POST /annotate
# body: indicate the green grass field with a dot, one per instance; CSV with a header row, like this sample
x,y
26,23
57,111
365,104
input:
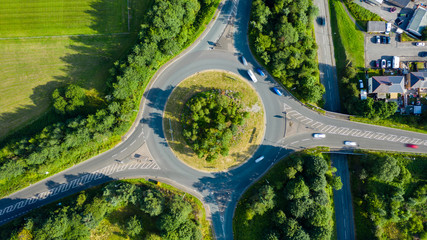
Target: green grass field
x,y
31,68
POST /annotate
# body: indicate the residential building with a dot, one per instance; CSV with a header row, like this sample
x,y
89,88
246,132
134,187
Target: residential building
x,y
399,3
418,21
417,81
380,86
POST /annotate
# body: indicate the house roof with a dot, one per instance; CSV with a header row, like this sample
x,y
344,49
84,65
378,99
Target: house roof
x,y
387,84
418,79
418,21
399,3
376,26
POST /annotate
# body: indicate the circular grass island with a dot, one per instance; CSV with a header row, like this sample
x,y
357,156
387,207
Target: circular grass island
x,y
214,120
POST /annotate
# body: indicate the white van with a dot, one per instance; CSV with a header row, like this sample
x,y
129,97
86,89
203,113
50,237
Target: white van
x,y
387,28
252,75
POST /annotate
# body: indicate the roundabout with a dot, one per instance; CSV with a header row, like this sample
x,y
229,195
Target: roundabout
x,y
246,138
146,152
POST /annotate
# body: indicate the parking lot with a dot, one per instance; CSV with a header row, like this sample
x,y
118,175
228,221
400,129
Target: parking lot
x,y
407,51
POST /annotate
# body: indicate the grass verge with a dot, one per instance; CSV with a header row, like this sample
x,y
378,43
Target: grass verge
x,y
396,121
361,14
250,137
348,40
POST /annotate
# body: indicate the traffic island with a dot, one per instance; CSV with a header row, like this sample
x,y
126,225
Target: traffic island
x,y
238,136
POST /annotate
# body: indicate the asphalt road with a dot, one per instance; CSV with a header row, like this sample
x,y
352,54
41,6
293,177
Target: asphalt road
x,y
342,200
145,153
326,57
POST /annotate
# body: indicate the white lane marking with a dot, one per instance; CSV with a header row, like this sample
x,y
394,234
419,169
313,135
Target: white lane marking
x,y
132,143
123,150
294,142
114,155
306,139
140,134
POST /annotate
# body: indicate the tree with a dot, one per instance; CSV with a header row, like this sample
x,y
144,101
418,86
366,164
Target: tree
x,y
424,34
69,100
264,201
315,165
319,215
386,168
336,183
133,227
296,188
152,203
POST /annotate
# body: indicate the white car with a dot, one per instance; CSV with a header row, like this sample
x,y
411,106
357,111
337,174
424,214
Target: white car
x,y
244,61
350,143
420,44
252,76
319,135
259,159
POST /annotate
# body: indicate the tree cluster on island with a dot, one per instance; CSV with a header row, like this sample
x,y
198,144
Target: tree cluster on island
x,y
211,121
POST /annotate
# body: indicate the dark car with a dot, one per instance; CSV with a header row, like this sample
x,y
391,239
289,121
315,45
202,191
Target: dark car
x,y
377,63
422,54
377,39
321,21
387,40
383,39
393,9
260,72
398,21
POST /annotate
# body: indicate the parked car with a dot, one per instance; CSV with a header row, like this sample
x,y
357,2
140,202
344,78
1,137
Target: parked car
x,y
393,9
422,54
277,91
377,39
388,64
411,145
420,44
260,72
377,63
244,61
252,76
350,143
383,39
387,40
398,21
383,63
360,83
319,135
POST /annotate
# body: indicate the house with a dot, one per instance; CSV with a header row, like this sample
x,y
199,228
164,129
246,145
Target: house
x,y
376,27
418,21
399,3
417,81
383,85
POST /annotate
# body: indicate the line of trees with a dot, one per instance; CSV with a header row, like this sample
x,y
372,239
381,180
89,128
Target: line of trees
x,y
389,194
294,203
169,27
152,213
210,120
282,35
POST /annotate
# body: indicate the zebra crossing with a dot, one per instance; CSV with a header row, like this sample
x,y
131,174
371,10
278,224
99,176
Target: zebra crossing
x,y
344,131
141,163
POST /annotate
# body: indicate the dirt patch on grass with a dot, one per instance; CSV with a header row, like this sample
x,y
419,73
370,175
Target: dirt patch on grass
x,y
249,138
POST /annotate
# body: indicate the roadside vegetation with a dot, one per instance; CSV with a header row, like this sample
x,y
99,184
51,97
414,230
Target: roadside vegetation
x,y
130,209
389,195
281,34
170,27
220,137
292,201
361,14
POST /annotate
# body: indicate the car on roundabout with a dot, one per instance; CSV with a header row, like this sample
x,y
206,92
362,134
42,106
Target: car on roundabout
x,y
319,135
259,159
260,72
277,91
244,61
350,143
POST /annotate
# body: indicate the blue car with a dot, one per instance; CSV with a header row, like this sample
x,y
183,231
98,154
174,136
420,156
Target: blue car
x,y
260,72
277,91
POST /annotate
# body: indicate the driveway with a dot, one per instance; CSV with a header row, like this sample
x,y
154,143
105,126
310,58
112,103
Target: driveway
x,y
407,51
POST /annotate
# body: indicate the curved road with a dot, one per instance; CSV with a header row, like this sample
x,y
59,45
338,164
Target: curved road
x,y
145,152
